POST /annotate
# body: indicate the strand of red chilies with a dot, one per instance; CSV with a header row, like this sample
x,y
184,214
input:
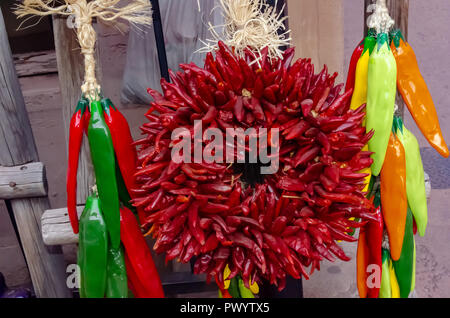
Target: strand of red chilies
x,y
289,222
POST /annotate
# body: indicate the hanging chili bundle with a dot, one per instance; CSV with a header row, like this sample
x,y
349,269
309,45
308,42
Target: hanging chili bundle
x,y
114,159
261,226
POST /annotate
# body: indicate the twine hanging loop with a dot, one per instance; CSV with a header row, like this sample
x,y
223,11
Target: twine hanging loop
x,y
380,20
137,12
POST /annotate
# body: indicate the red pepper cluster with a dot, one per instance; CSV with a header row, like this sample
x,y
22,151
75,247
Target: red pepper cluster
x,y
293,218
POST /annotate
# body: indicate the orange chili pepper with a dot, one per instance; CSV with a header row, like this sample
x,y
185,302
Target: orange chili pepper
x,y
414,91
394,202
362,261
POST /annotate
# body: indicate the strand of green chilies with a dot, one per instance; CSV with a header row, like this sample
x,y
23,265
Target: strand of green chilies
x,y
103,159
381,91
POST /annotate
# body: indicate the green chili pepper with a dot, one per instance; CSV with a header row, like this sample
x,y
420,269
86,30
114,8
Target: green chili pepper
x,y
116,280
404,266
244,291
103,158
415,179
92,250
381,91
385,288
233,289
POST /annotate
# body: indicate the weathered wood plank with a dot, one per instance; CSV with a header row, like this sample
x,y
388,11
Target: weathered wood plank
x,y
17,146
24,181
71,73
56,228
317,32
35,63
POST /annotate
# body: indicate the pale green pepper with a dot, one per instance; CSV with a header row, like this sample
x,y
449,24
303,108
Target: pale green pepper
x,y
415,179
385,288
244,291
381,91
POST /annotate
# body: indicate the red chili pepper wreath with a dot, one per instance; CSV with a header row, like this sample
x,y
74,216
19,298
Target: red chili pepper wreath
x,y
281,224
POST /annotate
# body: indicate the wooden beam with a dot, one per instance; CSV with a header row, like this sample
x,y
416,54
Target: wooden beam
x,y
399,11
56,228
24,181
317,31
17,146
71,73
35,63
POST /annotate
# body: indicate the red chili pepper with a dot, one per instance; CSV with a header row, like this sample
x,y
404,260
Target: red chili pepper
x,y
139,254
352,67
193,222
135,285
76,128
374,240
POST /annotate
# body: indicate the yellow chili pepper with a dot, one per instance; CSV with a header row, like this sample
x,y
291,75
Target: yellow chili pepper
x,y
395,289
360,93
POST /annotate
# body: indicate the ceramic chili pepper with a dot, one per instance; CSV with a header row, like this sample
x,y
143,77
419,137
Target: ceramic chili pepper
x,y
415,179
93,250
359,96
414,91
76,128
405,265
394,202
362,261
116,277
374,238
126,157
233,288
381,90
244,291
385,288
352,66
395,289
139,254
134,283
103,159
360,92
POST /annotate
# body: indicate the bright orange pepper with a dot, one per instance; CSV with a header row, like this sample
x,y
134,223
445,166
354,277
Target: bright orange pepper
x,y
394,202
414,91
362,261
